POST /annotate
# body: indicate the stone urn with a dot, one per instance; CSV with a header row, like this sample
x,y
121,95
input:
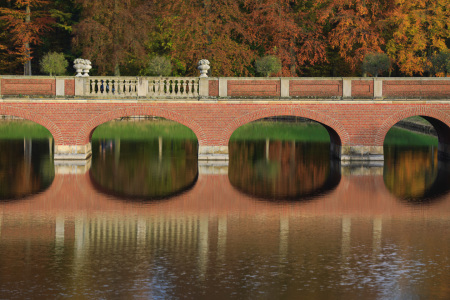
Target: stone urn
x,y
78,65
203,66
86,68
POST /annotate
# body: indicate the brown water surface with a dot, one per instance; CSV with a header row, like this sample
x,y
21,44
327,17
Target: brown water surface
x,y
287,224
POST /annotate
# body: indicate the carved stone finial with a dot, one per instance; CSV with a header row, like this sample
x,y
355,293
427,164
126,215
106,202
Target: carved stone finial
x,y
203,66
78,65
82,66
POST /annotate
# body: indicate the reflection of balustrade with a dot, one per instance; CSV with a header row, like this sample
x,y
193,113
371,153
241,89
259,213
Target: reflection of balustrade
x,y
170,87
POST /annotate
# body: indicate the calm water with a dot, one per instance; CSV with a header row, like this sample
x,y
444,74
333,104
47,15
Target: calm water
x,y
281,221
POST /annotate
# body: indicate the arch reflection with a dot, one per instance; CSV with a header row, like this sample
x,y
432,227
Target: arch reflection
x,y
282,170
153,169
415,174
26,167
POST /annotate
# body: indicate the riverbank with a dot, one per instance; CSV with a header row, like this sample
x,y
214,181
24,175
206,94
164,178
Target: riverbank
x,y
150,129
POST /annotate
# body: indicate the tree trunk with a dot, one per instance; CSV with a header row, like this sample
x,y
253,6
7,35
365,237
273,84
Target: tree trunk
x,y
27,66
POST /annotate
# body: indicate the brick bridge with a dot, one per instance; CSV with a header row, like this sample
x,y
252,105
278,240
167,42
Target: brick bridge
x,y
357,112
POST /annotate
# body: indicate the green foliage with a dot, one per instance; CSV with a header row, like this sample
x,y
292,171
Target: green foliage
x,y
403,137
439,63
54,64
160,66
376,63
268,65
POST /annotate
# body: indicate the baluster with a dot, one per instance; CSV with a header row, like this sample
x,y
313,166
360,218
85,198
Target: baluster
x,y
116,87
195,91
134,87
99,83
90,86
108,87
120,89
160,87
191,88
186,88
127,87
174,92
151,88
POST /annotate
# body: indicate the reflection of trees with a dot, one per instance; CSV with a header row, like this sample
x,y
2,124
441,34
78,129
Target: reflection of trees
x,y
411,173
289,170
139,170
20,175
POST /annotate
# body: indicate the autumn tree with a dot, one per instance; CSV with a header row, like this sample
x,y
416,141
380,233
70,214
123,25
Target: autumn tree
x,y
287,29
418,28
354,27
25,24
113,33
188,31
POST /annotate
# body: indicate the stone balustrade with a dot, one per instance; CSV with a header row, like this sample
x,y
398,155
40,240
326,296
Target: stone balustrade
x,y
142,87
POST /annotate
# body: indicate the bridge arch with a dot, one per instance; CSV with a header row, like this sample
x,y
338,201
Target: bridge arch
x,y
439,120
36,118
338,134
85,133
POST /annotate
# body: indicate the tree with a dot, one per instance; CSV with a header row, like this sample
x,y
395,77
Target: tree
x,y
376,63
160,66
54,63
188,31
113,33
415,29
353,27
25,24
439,63
268,65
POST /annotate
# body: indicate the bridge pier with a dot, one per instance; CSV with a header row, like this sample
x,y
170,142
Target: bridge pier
x,y
213,153
72,152
357,153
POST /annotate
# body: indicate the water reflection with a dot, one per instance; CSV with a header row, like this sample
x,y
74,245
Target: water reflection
x,y
176,255
26,167
147,170
415,174
282,170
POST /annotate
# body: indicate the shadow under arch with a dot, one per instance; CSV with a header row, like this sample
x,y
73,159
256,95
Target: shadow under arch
x,y
85,133
338,134
438,119
292,172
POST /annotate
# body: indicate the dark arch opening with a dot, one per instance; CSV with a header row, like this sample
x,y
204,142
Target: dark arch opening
x,y
283,158
415,167
26,158
143,157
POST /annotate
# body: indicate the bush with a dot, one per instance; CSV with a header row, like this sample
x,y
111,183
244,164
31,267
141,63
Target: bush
x,y
376,63
160,66
54,64
268,65
439,63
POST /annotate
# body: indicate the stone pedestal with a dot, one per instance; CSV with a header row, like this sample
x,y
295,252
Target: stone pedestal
x,y
213,153
73,152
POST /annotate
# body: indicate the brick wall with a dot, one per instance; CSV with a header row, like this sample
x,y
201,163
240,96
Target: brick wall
x,y
43,87
356,123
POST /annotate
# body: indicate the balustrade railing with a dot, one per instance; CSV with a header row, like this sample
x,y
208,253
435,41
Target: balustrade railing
x,y
108,86
173,87
170,87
